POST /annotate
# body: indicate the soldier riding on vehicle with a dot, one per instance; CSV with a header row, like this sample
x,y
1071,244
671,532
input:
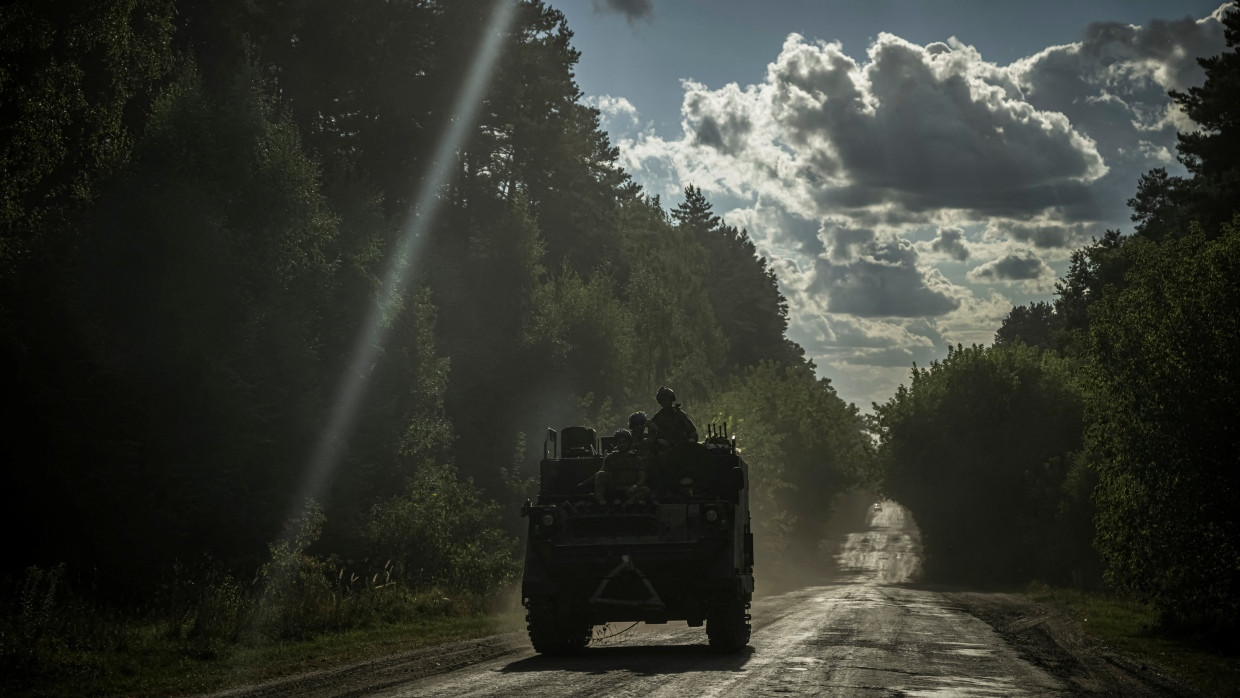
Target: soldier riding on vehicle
x,y
670,425
623,472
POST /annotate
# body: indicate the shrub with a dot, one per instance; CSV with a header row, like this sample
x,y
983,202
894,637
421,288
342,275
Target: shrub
x,y
441,532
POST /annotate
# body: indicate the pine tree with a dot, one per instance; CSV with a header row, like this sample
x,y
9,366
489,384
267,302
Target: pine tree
x,y
1212,153
744,291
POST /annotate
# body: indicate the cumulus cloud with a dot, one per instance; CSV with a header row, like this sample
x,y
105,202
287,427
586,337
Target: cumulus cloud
x,y
1154,152
916,130
885,281
720,119
976,320
1164,51
950,241
633,10
856,176
1043,234
887,356
843,239
908,132
925,130
613,109
1113,83
777,233
1018,266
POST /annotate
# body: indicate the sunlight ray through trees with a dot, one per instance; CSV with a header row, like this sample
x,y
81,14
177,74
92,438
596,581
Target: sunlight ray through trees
x,y
370,339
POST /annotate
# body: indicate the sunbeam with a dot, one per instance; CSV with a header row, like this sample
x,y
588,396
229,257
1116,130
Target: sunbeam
x,y
326,454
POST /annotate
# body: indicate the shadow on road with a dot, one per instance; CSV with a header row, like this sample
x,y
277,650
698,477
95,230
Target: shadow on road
x,y
638,659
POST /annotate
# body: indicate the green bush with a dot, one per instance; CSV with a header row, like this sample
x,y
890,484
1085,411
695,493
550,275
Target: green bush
x,y
442,533
294,594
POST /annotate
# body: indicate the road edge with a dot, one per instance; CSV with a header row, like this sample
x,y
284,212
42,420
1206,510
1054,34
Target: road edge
x,y
1052,638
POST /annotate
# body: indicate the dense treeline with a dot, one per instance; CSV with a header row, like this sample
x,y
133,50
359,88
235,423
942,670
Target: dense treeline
x,y
1108,416
204,208
982,447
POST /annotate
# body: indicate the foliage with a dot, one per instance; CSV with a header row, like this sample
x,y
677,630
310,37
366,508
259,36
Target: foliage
x,y
1212,152
201,631
761,445
1036,324
76,81
744,293
440,532
193,306
293,585
1164,204
981,447
1162,427
1152,316
803,444
205,204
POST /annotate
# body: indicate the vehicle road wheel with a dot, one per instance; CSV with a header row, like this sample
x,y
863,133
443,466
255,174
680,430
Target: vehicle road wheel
x,y
727,626
552,636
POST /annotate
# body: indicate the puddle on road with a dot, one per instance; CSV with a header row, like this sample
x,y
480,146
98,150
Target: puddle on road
x,y
968,649
962,686
802,663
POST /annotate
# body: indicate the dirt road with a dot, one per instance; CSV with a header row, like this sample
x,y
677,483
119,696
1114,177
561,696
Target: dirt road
x,y
872,633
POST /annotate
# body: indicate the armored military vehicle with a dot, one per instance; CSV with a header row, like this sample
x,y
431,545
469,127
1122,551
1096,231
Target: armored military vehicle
x,y
684,552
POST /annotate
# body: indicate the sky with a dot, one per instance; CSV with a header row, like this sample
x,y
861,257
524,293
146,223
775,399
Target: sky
x,y
911,169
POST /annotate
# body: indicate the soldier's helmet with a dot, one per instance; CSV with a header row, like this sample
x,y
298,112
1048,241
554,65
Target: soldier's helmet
x,y
637,420
623,439
665,396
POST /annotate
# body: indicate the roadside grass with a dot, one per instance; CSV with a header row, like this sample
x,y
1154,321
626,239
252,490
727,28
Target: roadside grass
x,y
1132,628
143,661
207,631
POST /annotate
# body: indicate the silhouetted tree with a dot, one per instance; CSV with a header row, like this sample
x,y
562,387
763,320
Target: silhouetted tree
x,y
981,448
744,292
1212,153
1035,324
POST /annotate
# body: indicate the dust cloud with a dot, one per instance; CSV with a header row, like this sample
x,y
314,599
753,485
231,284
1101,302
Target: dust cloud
x,y
867,539
887,551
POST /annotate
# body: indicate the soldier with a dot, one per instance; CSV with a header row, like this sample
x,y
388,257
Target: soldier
x,y
671,426
622,470
639,424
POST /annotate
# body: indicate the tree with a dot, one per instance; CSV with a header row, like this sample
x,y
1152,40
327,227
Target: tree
x,y
77,81
189,310
744,291
1093,268
1163,433
205,202
981,448
804,446
1212,153
695,215
441,531
1035,324
1160,207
